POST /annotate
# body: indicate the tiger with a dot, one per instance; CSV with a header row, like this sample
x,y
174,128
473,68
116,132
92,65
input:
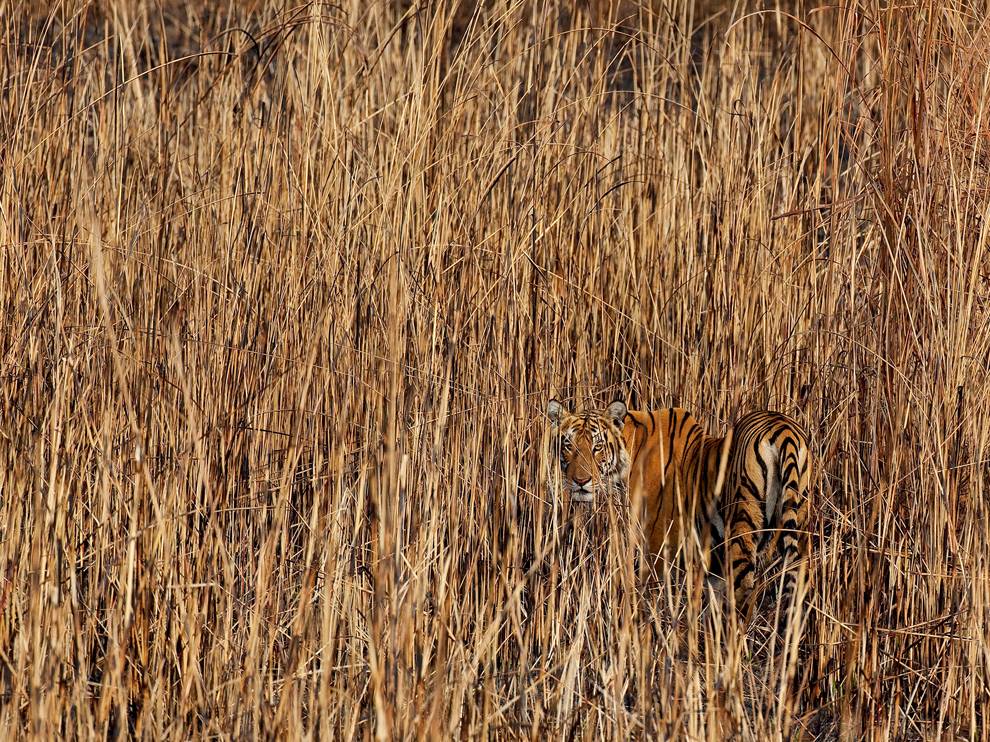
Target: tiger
x,y
743,494
652,458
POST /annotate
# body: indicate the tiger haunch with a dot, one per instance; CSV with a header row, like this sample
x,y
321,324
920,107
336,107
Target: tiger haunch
x,y
765,502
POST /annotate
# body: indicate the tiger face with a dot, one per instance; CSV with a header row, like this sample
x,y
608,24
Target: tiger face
x,y
591,450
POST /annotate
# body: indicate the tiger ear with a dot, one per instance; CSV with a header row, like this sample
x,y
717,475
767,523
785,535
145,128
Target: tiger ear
x,y
617,412
555,411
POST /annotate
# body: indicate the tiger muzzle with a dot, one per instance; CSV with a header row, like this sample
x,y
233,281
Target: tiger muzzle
x,y
581,490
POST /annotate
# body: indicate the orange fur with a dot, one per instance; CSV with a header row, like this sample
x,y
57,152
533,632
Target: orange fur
x,y
744,494
671,470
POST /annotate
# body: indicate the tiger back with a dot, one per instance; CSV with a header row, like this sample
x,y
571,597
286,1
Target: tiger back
x,y
682,474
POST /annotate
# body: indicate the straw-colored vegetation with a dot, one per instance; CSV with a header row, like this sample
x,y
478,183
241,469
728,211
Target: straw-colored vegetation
x,y
284,291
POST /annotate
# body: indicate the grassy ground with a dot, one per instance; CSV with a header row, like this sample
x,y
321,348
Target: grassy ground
x,y
284,290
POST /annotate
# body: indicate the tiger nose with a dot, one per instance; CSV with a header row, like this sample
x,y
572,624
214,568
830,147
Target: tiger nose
x,y
581,482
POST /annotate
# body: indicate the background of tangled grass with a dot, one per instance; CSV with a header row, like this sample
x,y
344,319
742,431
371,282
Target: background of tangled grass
x,y
285,288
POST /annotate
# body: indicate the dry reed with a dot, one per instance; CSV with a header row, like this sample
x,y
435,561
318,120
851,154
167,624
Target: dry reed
x,y
285,289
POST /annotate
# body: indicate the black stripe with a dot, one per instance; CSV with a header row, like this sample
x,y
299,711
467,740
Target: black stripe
x,y
657,516
792,503
670,445
740,576
759,458
789,524
693,435
782,430
751,489
743,516
751,494
764,427
792,495
670,456
790,442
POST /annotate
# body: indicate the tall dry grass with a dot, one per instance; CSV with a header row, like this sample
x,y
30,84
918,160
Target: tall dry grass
x,y
285,288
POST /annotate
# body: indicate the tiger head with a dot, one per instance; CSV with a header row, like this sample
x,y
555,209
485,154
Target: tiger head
x,y
591,450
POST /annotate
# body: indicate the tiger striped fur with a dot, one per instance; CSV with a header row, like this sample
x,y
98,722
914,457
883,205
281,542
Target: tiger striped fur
x,y
662,460
745,493
765,504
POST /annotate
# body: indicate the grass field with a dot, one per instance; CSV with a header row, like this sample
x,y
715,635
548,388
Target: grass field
x,y
284,291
